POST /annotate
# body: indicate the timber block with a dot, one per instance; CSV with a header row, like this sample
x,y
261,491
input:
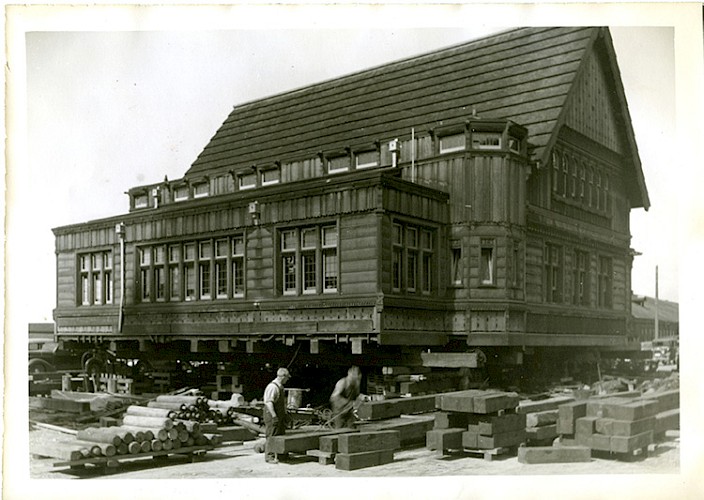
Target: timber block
x,y
368,441
542,433
503,440
470,439
596,407
541,418
461,401
448,420
667,420
568,413
412,429
328,444
492,403
600,442
585,426
67,405
444,439
528,406
379,410
554,455
636,410
612,427
324,458
235,433
354,461
300,443
628,444
488,425
667,400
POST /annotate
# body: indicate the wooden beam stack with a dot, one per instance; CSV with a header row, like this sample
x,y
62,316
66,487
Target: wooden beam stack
x,y
541,418
366,449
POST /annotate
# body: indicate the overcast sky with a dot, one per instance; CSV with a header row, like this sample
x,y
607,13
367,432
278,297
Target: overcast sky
x,y
109,110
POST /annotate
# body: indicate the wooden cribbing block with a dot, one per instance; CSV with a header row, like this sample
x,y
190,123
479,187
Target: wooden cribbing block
x,y
354,461
542,433
568,414
235,433
461,401
328,444
612,427
470,439
496,424
378,410
584,439
667,400
505,439
635,410
541,418
553,454
323,457
448,420
667,420
300,443
595,407
368,441
585,426
567,441
627,444
412,429
444,439
600,442
528,406
491,403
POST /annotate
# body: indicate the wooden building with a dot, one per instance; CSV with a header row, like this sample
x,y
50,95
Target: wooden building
x,y
475,197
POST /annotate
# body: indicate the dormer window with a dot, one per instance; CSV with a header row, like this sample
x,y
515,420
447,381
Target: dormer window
x,y
141,201
366,159
181,193
337,164
247,181
201,189
271,176
452,143
486,140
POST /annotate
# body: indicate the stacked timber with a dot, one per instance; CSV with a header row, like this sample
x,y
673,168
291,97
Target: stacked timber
x,y
541,418
366,449
477,421
390,408
397,381
200,409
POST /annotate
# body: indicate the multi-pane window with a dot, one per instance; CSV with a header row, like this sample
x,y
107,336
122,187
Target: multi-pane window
x,y
486,262
95,278
366,159
553,273
201,189
486,140
605,282
309,260
181,193
192,270
411,258
581,180
580,278
452,143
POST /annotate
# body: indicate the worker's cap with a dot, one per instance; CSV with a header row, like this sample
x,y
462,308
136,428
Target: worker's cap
x,y
282,372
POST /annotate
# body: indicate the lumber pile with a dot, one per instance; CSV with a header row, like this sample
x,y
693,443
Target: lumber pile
x,y
411,428
618,425
143,432
541,418
477,421
366,449
201,409
390,408
397,381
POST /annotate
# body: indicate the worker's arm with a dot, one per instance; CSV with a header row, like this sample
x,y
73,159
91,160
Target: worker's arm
x,y
270,394
336,396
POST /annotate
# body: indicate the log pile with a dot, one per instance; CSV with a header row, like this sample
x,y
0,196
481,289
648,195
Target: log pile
x,y
200,409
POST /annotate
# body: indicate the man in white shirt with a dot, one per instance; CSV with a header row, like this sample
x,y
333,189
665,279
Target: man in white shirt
x,y
275,410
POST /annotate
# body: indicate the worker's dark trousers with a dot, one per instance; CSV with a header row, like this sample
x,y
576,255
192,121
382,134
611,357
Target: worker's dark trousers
x,y
272,430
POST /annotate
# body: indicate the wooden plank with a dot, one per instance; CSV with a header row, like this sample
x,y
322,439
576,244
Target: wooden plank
x,y
354,461
450,359
553,454
236,433
492,403
636,410
299,443
612,427
369,441
627,444
460,401
412,429
667,400
541,418
505,439
527,406
67,405
488,425
542,433
324,458
376,410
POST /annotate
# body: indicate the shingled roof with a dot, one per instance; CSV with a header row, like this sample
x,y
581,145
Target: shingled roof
x,y
524,75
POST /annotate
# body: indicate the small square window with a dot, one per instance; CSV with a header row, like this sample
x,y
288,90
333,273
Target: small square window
x,y
338,164
181,193
159,254
174,253
486,140
271,176
247,181
189,250
145,256
288,240
206,250
201,189
141,201
309,238
238,245
366,159
330,236
221,248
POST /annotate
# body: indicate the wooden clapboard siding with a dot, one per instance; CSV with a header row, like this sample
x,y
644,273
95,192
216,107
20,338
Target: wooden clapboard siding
x,y
66,280
358,254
